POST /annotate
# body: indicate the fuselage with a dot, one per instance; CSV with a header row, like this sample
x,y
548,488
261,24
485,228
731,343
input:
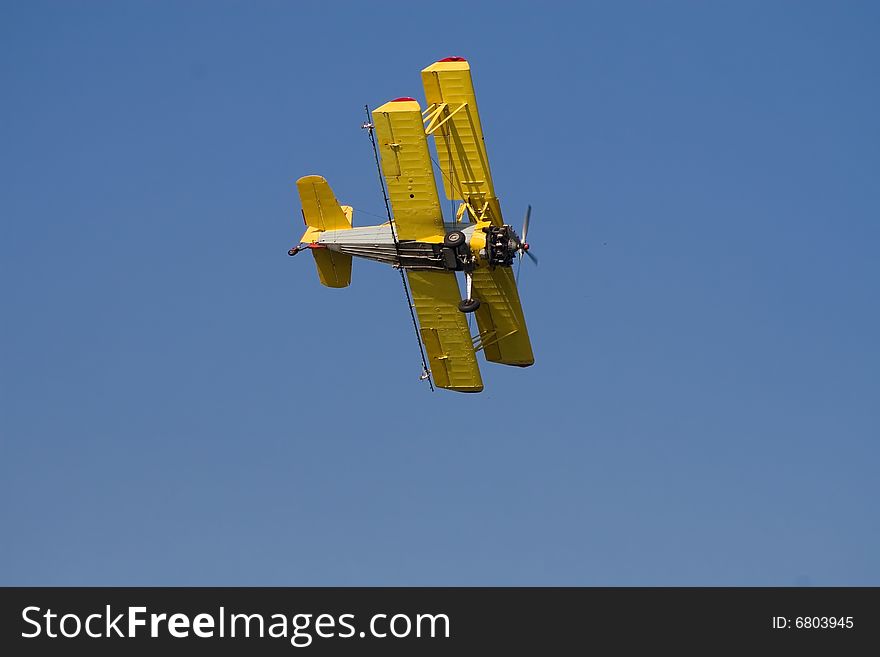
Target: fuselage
x,y
481,244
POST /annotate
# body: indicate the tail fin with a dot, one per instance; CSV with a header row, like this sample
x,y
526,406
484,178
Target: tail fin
x,y
322,212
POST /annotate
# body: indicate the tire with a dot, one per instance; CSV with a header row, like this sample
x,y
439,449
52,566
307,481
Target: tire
x,y
454,239
468,305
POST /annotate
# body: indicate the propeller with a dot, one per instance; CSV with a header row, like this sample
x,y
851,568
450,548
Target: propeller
x,y
523,246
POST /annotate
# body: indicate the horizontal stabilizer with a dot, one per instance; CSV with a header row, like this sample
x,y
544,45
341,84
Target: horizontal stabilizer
x,y
334,268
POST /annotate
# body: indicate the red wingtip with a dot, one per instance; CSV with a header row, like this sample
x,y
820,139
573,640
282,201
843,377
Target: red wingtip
x,y
403,99
453,59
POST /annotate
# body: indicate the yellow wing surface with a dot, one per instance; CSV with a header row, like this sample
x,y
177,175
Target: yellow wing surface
x,y
453,119
412,190
401,130
500,318
444,330
406,166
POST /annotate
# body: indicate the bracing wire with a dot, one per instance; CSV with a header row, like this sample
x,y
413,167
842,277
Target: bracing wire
x,y
409,302
367,212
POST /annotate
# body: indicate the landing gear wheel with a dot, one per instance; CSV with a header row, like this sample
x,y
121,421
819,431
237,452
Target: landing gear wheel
x,y
453,239
468,305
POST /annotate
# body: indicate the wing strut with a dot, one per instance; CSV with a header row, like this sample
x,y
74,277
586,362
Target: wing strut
x,y
426,373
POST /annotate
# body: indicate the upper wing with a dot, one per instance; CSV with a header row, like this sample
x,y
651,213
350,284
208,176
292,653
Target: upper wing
x,y
444,330
453,119
500,317
406,165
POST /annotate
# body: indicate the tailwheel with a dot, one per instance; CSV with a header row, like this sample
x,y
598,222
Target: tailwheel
x,y
468,305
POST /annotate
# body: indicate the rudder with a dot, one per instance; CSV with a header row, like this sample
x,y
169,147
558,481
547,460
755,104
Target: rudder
x,y
321,210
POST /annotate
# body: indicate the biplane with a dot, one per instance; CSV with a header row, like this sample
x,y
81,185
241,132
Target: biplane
x,y
417,241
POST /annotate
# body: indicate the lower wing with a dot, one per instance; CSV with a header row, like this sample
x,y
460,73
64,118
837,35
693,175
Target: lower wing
x,y
444,330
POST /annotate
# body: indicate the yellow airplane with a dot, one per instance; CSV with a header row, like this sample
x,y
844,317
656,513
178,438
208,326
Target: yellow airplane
x,y
417,241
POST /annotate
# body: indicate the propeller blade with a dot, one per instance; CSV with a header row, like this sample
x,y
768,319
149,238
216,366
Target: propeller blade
x,y
525,229
518,265
533,257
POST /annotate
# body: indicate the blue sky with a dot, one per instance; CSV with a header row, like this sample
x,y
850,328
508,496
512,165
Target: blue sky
x,y
184,404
